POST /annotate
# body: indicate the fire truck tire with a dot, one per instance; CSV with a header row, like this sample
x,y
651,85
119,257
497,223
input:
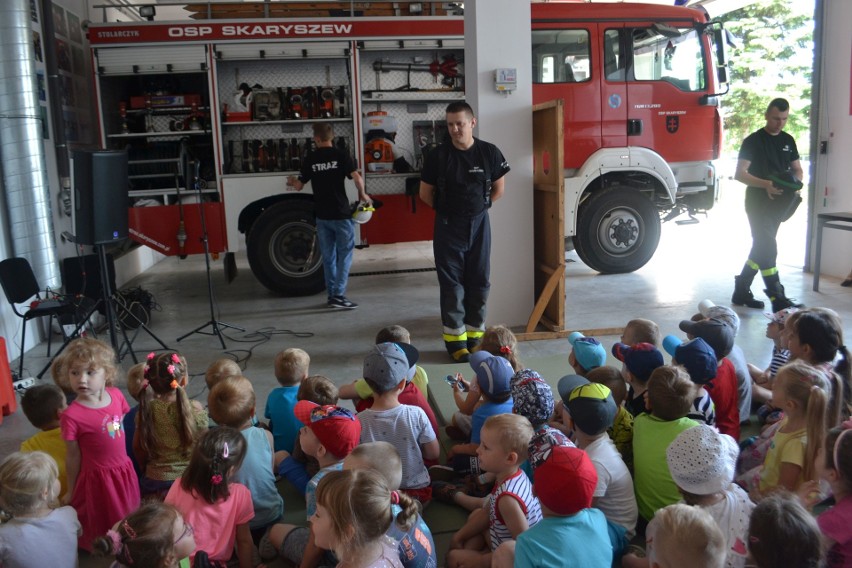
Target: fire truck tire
x,y
618,230
282,250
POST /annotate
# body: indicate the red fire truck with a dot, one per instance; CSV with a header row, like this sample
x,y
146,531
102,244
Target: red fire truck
x,y
216,112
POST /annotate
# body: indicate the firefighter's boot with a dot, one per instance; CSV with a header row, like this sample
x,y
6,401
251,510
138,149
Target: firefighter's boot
x,y
780,301
456,344
742,294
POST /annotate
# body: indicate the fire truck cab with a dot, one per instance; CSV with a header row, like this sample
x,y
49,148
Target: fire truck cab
x,y
642,122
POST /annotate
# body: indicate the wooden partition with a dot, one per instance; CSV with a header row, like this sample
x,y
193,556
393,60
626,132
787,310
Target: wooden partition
x,y
548,316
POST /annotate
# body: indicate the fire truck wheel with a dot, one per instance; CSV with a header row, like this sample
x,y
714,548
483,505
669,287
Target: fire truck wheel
x,y
618,230
283,252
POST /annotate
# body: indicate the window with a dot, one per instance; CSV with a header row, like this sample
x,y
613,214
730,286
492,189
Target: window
x,y
677,60
614,62
560,56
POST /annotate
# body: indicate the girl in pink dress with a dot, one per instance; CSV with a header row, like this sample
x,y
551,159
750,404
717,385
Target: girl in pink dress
x,y
102,483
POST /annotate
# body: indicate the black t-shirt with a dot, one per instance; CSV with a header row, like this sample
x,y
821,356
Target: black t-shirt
x,y
465,176
326,168
768,155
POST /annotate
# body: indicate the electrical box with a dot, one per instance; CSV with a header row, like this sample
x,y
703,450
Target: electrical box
x,y
505,80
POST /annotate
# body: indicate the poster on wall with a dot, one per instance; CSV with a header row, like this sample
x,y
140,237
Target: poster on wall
x,y
59,25
74,33
37,47
45,127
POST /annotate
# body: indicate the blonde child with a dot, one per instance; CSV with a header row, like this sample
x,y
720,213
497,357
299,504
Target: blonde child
x,y
218,509
38,533
415,547
219,369
153,536
232,403
783,534
102,484
683,535
511,508
836,470
167,424
406,427
354,512
329,435
298,467
641,330
802,393
291,368
43,405
498,341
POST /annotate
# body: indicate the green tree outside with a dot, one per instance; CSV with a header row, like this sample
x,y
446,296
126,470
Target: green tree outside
x,y
774,58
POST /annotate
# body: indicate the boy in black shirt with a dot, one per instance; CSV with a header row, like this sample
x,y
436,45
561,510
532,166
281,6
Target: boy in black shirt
x,y
326,168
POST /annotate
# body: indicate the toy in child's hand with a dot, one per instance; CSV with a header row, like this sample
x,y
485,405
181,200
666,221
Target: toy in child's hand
x,y
453,381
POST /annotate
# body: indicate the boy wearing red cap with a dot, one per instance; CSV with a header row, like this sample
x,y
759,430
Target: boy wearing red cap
x,y
565,482
329,434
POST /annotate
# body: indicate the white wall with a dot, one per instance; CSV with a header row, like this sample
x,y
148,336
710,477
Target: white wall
x,y
497,34
835,127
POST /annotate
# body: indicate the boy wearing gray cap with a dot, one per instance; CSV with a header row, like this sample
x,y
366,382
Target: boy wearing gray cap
x,y
406,427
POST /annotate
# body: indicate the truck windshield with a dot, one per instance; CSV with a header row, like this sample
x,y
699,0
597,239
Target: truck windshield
x,y
560,56
677,60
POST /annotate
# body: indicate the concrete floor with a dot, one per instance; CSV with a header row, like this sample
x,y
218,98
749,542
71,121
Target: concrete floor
x,y
693,262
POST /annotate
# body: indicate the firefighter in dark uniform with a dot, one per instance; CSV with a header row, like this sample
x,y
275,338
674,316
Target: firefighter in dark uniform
x,y
765,156
460,180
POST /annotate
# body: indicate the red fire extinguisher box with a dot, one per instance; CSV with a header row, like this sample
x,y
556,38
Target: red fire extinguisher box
x,y
8,404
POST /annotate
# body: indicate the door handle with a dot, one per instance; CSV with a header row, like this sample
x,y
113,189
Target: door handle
x,y
634,127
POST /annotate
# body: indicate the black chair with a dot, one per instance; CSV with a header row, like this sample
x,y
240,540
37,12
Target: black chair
x,y
20,285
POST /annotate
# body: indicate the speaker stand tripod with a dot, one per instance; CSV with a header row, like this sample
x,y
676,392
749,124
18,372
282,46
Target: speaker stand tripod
x,y
113,308
214,324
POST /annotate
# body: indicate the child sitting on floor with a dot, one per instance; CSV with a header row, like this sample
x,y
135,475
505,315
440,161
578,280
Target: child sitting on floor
x,y
699,360
621,431
511,508
670,395
415,545
291,368
571,533
330,433
499,341
407,427
587,353
589,410
640,360
232,403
